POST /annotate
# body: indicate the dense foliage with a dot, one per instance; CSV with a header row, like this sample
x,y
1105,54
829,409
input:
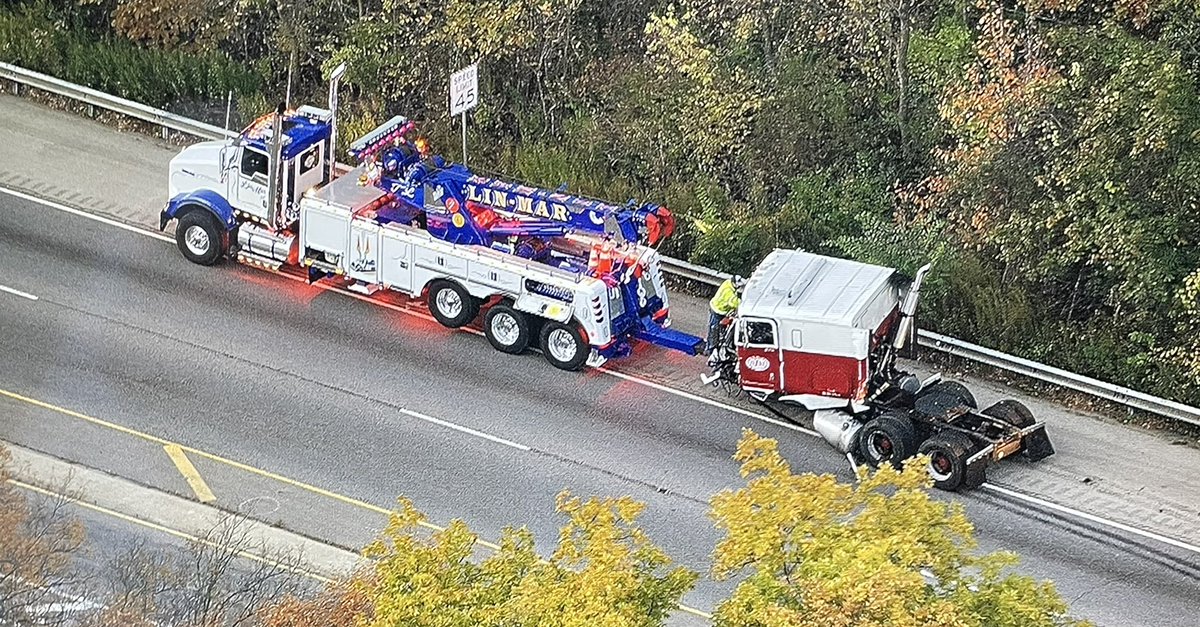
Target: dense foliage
x,y
604,573
1043,153
809,552
819,553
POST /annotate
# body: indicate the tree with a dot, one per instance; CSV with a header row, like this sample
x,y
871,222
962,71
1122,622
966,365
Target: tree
x,y
880,552
604,573
38,539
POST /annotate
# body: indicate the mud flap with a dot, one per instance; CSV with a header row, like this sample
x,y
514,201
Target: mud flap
x,y
1037,444
976,473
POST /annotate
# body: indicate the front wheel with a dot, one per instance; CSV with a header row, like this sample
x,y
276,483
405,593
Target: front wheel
x,y
200,238
563,346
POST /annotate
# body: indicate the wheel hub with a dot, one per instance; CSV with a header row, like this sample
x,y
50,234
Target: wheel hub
x,y
881,446
561,345
196,240
448,303
940,466
505,329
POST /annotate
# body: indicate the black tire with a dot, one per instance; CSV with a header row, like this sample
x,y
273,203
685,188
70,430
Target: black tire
x,y
1013,412
888,438
507,329
1035,445
948,453
955,390
563,345
451,304
200,238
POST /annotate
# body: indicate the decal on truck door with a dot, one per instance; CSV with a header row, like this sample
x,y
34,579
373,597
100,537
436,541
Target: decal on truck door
x,y
758,351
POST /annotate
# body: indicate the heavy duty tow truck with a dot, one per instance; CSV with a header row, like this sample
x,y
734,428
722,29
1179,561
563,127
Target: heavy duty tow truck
x,y
578,276
824,333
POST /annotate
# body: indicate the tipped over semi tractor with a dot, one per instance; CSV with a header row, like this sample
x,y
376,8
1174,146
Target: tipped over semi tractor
x,y
824,333
579,278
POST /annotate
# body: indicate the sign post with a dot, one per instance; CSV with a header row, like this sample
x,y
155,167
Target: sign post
x,y
464,95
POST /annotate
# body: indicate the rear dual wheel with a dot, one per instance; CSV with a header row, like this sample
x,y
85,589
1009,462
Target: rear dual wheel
x,y
948,453
563,345
888,438
451,304
507,330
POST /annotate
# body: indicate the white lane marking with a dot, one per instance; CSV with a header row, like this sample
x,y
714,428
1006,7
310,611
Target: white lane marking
x,y
663,388
84,214
9,290
708,401
450,425
1091,517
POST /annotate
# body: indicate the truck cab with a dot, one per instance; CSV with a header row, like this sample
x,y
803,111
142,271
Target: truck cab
x,y
227,182
824,333
807,327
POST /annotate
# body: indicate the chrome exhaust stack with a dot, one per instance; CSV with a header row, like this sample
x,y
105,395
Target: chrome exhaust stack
x,y
908,309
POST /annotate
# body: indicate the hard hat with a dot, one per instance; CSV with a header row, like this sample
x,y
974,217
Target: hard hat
x,y
739,282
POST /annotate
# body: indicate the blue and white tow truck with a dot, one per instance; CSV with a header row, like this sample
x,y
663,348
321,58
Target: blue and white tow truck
x,y
576,277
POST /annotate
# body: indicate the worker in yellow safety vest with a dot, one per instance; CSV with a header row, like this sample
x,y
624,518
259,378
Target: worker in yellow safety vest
x,y
723,303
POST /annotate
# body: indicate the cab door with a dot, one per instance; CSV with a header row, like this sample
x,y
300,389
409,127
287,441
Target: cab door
x,y
250,183
759,364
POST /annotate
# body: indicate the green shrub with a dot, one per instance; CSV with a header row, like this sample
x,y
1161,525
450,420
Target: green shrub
x,y
31,39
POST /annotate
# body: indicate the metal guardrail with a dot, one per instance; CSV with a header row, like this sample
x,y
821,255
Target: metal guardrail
x,y
678,267
164,119
1060,377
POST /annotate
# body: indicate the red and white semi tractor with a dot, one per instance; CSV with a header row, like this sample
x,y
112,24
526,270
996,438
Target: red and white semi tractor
x,y
824,333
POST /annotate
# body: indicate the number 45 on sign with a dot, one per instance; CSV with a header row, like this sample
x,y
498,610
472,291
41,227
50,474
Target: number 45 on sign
x,y
464,95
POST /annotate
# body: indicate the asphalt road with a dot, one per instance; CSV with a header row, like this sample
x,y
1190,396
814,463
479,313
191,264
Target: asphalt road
x,y
368,403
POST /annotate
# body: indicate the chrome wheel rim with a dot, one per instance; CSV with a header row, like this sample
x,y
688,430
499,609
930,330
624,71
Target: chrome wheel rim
x,y
561,345
881,446
196,240
940,466
505,329
448,303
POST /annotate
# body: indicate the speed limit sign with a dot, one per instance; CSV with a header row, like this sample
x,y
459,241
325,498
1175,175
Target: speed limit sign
x,y
464,89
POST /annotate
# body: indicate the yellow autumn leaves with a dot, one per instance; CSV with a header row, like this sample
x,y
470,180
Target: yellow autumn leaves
x,y
808,550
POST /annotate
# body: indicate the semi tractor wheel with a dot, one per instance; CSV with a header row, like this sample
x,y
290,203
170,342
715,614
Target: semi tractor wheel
x,y
200,238
948,453
888,438
944,399
563,346
955,390
451,304
507,329
1012,412
1035,445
